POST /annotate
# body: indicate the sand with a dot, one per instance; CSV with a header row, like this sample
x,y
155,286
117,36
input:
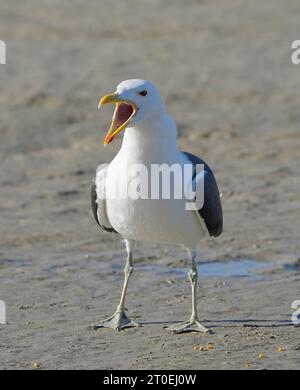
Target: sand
x,y
225,71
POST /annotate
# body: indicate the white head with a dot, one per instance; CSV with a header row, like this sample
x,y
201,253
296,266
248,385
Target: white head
x,y
137,101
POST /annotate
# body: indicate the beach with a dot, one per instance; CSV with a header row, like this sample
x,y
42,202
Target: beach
x,y
225,72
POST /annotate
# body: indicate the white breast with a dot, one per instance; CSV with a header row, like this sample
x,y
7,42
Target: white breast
x,y
156,220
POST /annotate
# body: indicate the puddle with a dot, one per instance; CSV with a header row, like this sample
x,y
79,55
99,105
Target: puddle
x,y
238,268
222,269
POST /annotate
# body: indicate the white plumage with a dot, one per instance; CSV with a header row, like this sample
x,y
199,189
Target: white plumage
x,y
150,138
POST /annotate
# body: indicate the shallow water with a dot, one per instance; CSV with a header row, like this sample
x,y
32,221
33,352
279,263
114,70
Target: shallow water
x,y
222,269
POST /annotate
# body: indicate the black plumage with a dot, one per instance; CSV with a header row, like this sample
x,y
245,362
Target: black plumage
x,y
211,212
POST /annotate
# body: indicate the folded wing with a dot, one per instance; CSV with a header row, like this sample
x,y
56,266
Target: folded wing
x,y
211,212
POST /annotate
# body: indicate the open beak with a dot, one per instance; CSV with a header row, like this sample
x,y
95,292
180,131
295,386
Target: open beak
x,y
124,112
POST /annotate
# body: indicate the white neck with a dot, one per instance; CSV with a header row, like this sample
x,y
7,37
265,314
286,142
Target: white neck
x,y
158,135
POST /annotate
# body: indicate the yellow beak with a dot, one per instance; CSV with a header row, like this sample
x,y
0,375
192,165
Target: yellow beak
x,y
113,98
118,124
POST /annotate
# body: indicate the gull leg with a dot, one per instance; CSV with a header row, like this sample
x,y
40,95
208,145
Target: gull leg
x,y
193,324
119,319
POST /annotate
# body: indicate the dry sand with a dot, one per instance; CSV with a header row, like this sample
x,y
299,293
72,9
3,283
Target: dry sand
x,y
225,71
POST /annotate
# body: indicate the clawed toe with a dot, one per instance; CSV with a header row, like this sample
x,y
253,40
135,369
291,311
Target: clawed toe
x,y
117,321
188,326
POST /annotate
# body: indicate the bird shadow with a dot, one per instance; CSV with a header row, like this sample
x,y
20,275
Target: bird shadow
x,y
251,323
234,323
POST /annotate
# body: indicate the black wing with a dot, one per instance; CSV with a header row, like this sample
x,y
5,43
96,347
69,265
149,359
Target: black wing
x,y
211,211
94,202
95,210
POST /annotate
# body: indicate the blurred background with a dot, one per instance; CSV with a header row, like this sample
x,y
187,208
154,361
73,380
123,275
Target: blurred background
x,y
225,71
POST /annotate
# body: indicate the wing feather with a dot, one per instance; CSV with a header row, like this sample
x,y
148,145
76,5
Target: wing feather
x,y
211,212
98,201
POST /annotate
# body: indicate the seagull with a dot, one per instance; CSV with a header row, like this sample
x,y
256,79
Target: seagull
x,y
150,139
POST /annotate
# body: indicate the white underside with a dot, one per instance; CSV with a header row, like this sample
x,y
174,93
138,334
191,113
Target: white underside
x,y
155,220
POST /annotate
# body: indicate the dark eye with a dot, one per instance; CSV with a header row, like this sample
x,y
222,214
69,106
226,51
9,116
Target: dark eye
x,y
143,93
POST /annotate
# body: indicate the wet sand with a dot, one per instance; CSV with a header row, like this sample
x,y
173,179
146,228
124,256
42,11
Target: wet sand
x,y
228,81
